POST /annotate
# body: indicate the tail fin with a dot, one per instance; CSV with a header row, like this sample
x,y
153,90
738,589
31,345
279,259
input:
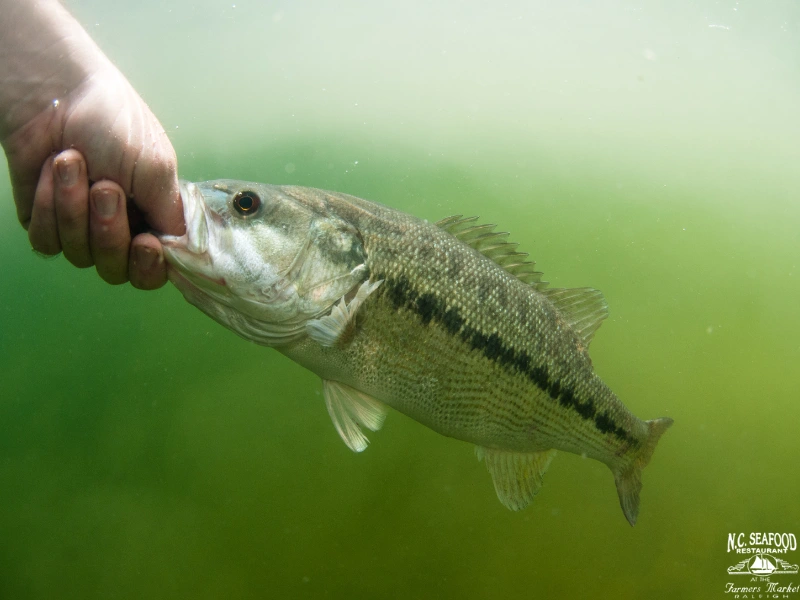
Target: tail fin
x,y
629,478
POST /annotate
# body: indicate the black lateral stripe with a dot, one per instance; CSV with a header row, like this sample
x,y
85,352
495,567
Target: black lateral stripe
x,y
429,308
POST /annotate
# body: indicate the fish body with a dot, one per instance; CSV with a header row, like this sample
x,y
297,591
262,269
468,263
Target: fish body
x,y
446,323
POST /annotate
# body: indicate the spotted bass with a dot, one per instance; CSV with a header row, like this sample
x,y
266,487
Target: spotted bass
x,y
447,323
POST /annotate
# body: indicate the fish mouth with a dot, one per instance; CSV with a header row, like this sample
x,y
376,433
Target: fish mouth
x,y
188,255
195,240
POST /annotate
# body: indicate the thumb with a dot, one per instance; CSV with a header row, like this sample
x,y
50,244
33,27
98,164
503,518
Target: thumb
x,y
154,185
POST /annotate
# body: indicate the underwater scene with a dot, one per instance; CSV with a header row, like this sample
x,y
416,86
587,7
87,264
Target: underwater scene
x,y
646,149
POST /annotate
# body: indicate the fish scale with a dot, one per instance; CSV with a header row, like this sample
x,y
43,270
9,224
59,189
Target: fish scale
x,y
447,323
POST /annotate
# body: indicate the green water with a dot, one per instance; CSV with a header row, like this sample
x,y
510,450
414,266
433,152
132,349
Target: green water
x,y
146,452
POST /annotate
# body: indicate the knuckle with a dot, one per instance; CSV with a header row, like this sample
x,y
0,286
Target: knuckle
x,y
79,256
149,282
72,219
45,245
113,273
109,243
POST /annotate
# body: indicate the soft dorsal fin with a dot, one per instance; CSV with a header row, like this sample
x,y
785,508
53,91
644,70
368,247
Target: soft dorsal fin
x,y
494,245
350,408
517,476
583,308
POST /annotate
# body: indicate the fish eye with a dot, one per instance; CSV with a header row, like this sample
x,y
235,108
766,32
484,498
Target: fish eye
x,y
246,203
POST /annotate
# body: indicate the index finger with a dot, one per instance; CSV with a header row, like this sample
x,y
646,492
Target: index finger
x,y
24,168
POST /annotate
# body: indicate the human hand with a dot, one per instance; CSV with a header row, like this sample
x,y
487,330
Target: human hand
x,y
126,152
89,127
90,223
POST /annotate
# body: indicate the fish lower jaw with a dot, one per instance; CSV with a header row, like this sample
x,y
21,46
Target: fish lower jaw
x,y
218,281
182,282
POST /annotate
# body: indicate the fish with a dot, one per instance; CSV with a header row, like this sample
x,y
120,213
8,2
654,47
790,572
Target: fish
x,y
446,322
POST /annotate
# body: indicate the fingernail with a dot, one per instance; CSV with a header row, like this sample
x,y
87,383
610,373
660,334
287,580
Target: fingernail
x,y
145,258
67,171
106,203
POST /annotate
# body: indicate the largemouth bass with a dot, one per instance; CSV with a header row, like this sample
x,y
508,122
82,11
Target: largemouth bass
x,y
447,323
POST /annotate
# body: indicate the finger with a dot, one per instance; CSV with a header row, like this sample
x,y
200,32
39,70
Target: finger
x,y
23,184
147,269
26,151
43,227
109,237
155,183
71,198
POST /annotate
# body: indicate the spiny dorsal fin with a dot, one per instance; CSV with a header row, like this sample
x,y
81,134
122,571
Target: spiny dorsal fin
x,y
583,308
350,408
495,246
517,476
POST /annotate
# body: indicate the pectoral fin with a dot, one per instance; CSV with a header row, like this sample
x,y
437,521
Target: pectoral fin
x,y
517,476
332,328
350,408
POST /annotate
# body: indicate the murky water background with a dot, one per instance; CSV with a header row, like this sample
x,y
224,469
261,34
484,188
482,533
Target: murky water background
x,y
649,150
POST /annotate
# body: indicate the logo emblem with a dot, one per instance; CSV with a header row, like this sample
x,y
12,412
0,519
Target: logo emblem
x,y
763,564
764,560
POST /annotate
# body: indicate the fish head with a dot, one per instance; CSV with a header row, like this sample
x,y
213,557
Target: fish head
x,y
261,261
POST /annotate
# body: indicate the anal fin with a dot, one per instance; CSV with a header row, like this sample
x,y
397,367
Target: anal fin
x,y
349,409
517,476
